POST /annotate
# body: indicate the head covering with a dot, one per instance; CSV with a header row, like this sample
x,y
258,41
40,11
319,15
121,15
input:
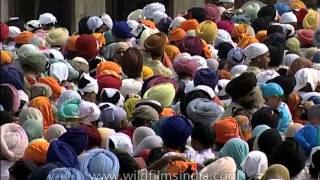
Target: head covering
x,y
10,100
14,141
311,20
54,132
227,25
12,75
213,64
42,172
255,164
57,37
132,62
207,30
40,89
298,64
305,36
63,153
268,140
120,29
155,44
121,141
266,116
203,110
190,24
224,165
130,86
4,31
246,41
30,113
307,76
191,96
293,45
192,45
308,138
236,56
237,70
149,9
290,154
259,129
94,22
33,128
59,71
108,81
112,116
172,51
175,131
89,112
24,37
110,95
288,17
222,36
36,62
76,138
241,85
109,67
65,173
5,57
316,38
287,83
212,12
87,84
186,67
44,105
293,129
254,50
47,18
53,83
37,151
289,58
158,92
276,171
235,148
105,134
176,22
145,112
86,46
206,77
93,136
226,129
271,89
261,35
141,133
148,143
99,162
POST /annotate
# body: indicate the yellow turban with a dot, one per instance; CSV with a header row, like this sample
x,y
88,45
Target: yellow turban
x,y
261,35
297,4
129,105
100,39
147,72
6,57
172,51
311,20
207,30
246,41
163,93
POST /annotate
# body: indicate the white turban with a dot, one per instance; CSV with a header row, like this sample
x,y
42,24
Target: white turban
x,y
254,50
149,9
106,19
307,75
94,22
176,22
288,17
13,31
91,86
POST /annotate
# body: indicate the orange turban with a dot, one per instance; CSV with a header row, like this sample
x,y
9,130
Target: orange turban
x,y
100,38
167,112
242,30
71,43
207,52
246,41
6,57
24,37
110,68
297,4
172,51
53,83
37,151
223,74
261,35
176,34
190,24
149,23
44,105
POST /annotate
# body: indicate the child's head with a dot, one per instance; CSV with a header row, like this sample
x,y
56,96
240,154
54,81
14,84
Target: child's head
x,y
202,136
272,94
314,114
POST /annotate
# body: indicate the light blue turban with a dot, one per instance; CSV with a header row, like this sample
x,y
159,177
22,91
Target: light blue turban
x,y
65,174
204,110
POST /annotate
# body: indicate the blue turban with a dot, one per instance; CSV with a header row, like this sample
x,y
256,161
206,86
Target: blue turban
x,y
121,30
175,131
65,173
282,8
42,172
207,77
308,138
12,75
99,163
271,89
63,153
76,138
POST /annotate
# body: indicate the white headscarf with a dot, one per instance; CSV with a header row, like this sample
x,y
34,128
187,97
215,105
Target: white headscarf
x,y
255,164
307,75
59,70
121,141
289,58
149,9
176,22
266,75
141,133
92,86
149,142
238,70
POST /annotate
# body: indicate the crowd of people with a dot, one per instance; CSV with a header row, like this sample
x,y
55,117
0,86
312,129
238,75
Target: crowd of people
x,y
213,93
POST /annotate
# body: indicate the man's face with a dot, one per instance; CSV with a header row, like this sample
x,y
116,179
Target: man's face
x,y
247,101
264,60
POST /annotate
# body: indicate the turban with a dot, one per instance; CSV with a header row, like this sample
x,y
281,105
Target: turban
x,y
176,34
34,63
12,75
212,12
150,143
129,105
33,128
226,25
93,136
141,133
27,50
191,96
112,116
130,86
298,64
226,129
236,56
176,22
121,141
241,85
40,89
254,50
164,24
311,20
224,165
94,22
132,62
89,112
268,140
269,12
255,164
42,172
206,77
57,37
261,35
203,110
271,89
14,141
190,24
79,64
71,43
149,9
65,173
251,10
259,24
192,45
207,30
197,13
172,51
136,15
109,67
105,134
236,148
37,151
76,138
24,37
99,163
63,153
5,57
308,138
108,81
287,83
293,45
237,70
266,75
87,84
30,113
246,41
222,36
59,70
297,5
53,83
175,131
86,46
145,113
188,67
113,96
44,105
305,36
288,18
121,29
100,39
47,18
164,93
243,30
155,44
4,33
54,132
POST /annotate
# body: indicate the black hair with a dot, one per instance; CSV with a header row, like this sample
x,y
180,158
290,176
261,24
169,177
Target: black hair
x,y
267,116
314,170
21,169
203,133
6,98
5,117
